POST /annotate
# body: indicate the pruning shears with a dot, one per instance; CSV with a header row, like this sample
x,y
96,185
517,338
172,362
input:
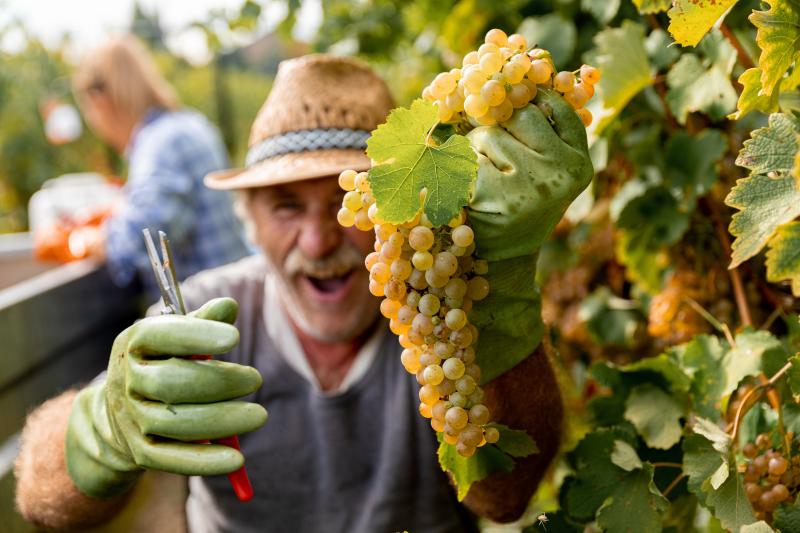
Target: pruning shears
x,y
167,281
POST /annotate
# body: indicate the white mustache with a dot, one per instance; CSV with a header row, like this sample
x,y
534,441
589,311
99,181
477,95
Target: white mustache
x,y
344,259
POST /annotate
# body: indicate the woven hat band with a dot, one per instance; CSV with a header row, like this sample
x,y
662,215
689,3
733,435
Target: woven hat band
x,y
306,141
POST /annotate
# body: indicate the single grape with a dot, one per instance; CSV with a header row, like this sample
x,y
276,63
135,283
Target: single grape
x,y
380,272
589,74
540,71
453,368
517,42
428,394
423,324
442,348
421,238
472,80
347,180
467,355
428,358
425,410
477,288
455,101
464,450
474,371
457,398
443,112
345,217
361,182
450,439
522,60
497,37
488,49
577,97
462,337
433,374
455,319
362,221
466,385
446,263
429,304
491,63
751,473
475,105
444,84
586,116
456,417
514,72
390,251
753,491
519,95
455,288
761,464
422,260
470,59
777,466
426,94
401,269
410,360
493,92
389,308
471,435
434,279
479,414
395,289
750,450
502,112
480,266
768,502
417,280
446,387
563,82
762,441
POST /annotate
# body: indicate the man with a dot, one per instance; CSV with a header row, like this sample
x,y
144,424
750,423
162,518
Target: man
x,y
169,150
345,448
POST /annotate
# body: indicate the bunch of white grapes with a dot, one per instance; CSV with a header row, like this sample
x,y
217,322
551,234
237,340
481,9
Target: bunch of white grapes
x,y
428,279
503,75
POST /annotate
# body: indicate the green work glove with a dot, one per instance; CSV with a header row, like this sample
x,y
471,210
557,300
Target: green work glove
x,y
156,402
530,169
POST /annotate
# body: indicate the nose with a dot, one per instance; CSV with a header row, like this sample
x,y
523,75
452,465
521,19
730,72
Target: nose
x,y
320,234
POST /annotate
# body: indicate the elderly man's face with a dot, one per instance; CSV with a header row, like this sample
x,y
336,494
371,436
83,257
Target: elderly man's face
x,y
319,263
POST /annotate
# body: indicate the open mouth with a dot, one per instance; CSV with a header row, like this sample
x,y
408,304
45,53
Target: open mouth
x,y
329,288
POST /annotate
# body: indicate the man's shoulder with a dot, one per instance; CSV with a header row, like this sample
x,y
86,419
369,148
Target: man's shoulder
x,y
238,280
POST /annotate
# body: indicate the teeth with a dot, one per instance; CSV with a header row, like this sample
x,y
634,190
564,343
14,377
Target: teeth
x,y
327,274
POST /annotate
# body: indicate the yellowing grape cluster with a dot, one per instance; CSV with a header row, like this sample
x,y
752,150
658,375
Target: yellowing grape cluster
x,y
503,75
428,279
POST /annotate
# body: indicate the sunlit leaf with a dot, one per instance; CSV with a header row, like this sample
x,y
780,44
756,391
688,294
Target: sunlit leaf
x,y
690,20
655,414
752,98
783,256
779,38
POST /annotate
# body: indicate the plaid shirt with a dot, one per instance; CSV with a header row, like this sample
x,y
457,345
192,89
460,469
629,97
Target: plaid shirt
x,y
168,155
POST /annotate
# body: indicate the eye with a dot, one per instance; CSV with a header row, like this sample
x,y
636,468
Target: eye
x,y
287,207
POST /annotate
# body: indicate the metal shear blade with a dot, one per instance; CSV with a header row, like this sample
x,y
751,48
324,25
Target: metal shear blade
x,y
164,270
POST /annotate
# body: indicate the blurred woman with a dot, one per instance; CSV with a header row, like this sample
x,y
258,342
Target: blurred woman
x,y
169,150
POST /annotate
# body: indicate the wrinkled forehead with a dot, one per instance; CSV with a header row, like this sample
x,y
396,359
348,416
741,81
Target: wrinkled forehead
x,y
318,188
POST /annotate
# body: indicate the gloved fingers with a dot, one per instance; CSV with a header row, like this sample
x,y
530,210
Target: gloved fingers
x,y
565,121
219,309
174,335
192,422
188,459
177,380
531,127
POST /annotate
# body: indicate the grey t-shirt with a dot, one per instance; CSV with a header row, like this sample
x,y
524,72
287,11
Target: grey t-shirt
x,y
360,461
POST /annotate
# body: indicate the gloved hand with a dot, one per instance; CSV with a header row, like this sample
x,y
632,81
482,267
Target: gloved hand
x,y
530,169
156,402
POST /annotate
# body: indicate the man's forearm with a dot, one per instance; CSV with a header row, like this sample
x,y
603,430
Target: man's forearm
x,y
45,493
526,397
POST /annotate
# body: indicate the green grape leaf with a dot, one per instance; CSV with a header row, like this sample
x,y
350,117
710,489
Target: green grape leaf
x,y
596,477
793,375
764,204
655,414
468,470
606,323
652,6
625,457
650,219
552,32
730,504
748,356
690,20
407,164
693,87
752,97
719,440
659,50
757,527
635,505
621,57
514,442
700,462
772,148
787,518
602,10
678,382
690,162
783,256
702,358
778,37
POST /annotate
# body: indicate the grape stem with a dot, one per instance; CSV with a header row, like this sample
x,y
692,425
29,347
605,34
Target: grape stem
x,y
711,319
667,465
429,136
673,484
745,404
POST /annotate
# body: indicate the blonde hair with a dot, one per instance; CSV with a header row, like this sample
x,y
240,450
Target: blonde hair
x,y
123,70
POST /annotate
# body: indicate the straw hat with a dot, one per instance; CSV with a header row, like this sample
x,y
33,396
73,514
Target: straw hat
x,y
314,123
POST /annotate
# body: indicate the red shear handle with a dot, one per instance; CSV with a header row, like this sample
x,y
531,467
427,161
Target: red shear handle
x,y
239,480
